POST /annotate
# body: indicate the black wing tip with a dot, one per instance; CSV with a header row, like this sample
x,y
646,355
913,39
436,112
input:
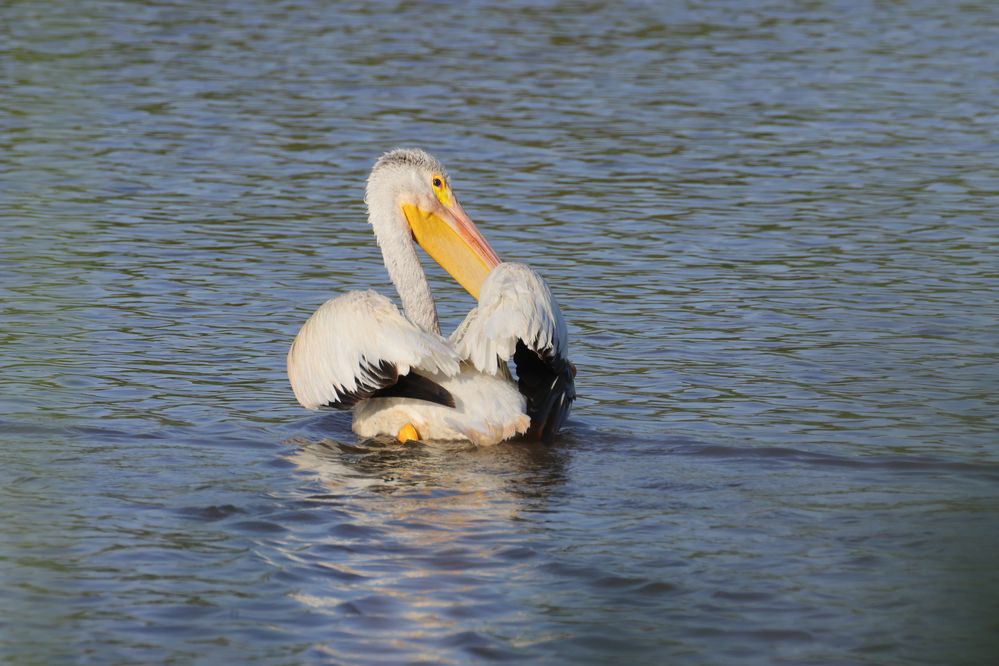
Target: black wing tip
x,y
555,411
546,380
417,387
382,375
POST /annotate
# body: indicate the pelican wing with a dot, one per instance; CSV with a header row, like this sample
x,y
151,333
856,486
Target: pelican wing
x,y
517,318
358,346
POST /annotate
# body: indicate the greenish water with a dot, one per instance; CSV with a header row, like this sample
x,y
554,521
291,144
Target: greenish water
x,y
771,226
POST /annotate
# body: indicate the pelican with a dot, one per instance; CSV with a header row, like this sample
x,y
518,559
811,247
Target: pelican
x,y
395,370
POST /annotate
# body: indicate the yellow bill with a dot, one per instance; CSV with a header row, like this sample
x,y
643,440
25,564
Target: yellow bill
x,y
449,236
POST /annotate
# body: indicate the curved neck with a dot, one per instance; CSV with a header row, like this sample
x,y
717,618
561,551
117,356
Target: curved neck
x,y
399,253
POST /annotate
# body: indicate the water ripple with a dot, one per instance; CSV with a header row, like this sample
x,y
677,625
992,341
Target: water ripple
x,y
771,228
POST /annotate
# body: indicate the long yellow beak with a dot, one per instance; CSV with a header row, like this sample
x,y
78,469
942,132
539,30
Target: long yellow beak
x,y
449,236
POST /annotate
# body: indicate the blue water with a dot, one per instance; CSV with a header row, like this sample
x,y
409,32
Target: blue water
x,y
771,227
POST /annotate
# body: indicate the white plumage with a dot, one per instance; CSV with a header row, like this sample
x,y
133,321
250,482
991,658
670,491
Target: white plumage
x,y
359,351
487,410
515,304
337,350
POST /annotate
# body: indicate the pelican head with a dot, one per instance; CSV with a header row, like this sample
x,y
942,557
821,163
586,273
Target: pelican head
x,y
409,187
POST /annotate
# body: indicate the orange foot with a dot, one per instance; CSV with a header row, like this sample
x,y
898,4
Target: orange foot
x,y
408,433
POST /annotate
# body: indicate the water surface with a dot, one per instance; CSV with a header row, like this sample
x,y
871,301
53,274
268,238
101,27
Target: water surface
x,y
771,227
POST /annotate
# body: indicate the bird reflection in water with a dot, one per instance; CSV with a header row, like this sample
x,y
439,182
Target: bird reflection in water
x,y
424,537
506,474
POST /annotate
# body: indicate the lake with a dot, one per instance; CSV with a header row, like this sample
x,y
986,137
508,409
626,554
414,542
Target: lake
x,y
771,227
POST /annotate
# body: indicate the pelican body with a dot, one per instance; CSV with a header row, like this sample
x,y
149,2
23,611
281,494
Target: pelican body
x,y
395,370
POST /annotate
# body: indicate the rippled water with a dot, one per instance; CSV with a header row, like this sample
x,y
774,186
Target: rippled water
x,y
772,228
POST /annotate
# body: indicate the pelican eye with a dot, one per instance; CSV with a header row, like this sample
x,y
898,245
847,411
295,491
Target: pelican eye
x,y
441,190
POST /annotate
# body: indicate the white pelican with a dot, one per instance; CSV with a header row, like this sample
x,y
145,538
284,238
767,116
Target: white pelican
x,y
396,371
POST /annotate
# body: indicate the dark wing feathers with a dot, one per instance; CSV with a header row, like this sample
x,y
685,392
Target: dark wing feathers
x,y
383,381
375,377
546,380
417,387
